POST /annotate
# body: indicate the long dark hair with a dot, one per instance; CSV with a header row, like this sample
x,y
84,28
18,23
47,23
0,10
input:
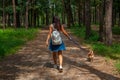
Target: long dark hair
x,y
56,22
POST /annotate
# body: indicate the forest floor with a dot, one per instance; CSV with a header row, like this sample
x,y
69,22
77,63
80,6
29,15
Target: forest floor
x,y
34,62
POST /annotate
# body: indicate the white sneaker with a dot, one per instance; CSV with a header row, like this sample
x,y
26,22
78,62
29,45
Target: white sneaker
x,y
60,69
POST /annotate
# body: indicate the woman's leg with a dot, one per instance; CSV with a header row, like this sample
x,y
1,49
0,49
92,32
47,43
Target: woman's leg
x,y
60,58
55,57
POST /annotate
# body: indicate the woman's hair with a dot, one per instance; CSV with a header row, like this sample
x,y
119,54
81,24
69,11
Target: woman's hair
x,y
56,22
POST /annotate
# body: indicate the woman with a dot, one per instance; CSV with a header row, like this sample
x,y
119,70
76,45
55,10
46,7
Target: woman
x,y
57,49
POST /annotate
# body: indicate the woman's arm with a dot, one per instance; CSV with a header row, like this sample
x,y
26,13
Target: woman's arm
x,y
65,32
49,34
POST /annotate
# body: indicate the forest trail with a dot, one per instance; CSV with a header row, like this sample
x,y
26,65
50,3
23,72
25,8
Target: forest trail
x,y
34,62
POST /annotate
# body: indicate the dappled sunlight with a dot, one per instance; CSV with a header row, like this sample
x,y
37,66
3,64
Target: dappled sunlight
x,y
72,48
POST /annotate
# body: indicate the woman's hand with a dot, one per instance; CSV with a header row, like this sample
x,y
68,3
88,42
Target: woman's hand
x,y
65,32
47,43
69,38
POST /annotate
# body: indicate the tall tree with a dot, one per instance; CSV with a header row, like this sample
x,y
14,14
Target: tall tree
x,y
47,12
17,15
3,14
119,13
87,18
79,5
14,13
101,17
26,14
67,7
108,23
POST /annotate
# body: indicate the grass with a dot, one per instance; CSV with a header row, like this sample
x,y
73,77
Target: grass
x,y
112,52
12,39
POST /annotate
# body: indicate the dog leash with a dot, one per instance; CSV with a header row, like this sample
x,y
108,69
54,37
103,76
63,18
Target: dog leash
x,y
76,43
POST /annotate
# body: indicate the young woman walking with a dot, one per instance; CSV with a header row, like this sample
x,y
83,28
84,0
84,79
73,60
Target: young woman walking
x,y
56,49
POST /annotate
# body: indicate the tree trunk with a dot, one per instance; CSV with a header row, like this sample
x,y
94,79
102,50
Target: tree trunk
x,y
114,16
14,13
33,11
101,17
63,17
87,19
17,15
79,12
8,22
63,14
38,21
119,14
47,16
119,19
26,14
95,12
34,19
53,10
108,22
31,17
3,14
84,12
67,7
74,15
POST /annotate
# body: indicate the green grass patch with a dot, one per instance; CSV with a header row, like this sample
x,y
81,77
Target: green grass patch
x,y
108,51
12,39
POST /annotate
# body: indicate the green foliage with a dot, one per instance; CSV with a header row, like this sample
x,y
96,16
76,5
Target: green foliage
x,y
94,36
95,2
78,31
12,39
9,9
116,30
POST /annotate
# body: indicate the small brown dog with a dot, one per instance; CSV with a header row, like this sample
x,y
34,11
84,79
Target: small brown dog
x,y
90,56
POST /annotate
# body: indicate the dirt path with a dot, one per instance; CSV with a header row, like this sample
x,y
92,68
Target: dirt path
x,y
33,62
